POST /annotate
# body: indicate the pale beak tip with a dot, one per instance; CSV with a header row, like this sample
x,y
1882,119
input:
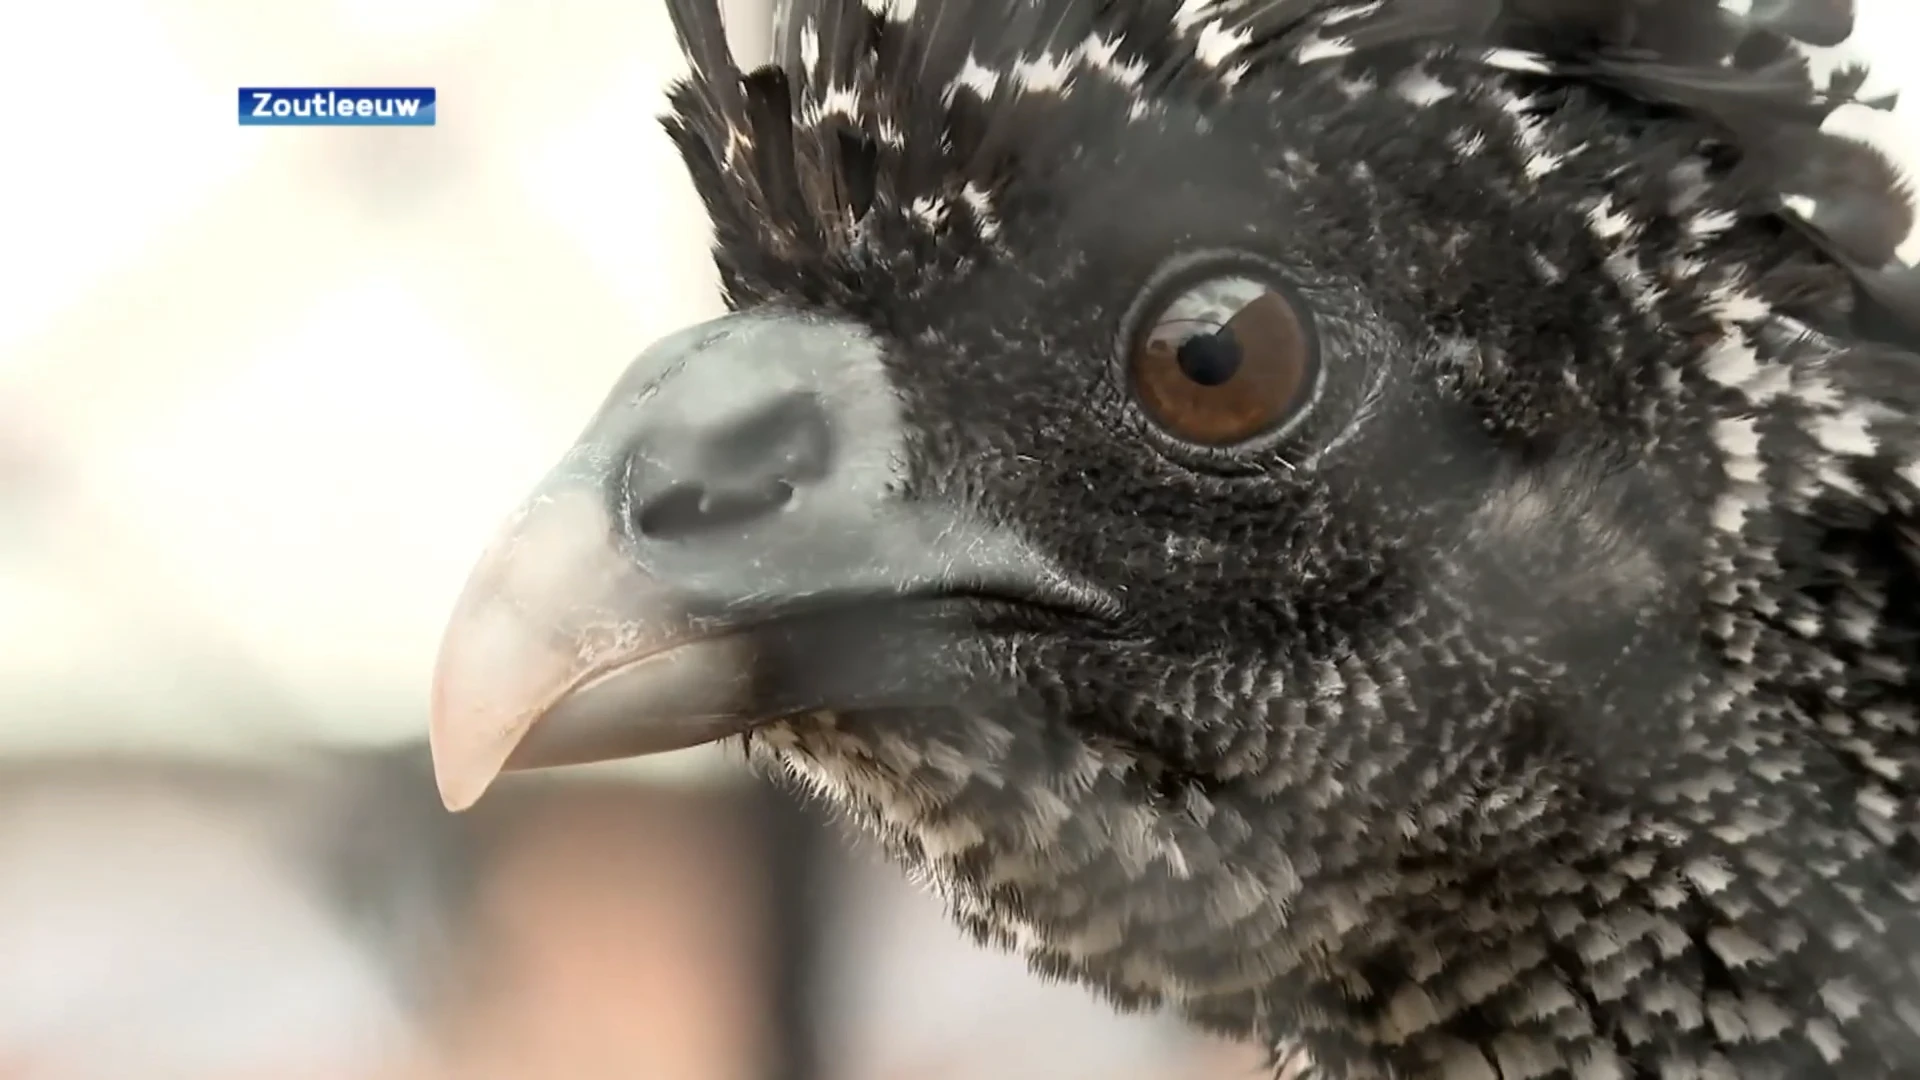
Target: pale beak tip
x,y
461,774
470,747
490,681
457,792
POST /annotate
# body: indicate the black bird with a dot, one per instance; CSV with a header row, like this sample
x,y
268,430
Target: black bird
x,y
1385,528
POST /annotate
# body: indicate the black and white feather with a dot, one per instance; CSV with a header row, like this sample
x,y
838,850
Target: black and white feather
x,y
1553,713
915,104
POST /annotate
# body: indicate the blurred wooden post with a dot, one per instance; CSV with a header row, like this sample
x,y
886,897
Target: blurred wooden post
x,y
620,936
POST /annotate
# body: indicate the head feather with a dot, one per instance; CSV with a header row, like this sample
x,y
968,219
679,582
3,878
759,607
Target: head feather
x,y
923,109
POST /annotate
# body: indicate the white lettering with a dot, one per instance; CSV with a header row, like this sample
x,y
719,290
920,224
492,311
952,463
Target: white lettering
x,y
340,106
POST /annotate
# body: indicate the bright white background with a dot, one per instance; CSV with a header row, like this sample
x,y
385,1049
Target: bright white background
x,y
288,379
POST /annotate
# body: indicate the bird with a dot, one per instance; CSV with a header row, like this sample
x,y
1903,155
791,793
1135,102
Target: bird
x,y
1384,529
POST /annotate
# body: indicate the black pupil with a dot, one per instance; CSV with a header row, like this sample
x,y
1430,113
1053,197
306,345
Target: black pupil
x,y
1209,359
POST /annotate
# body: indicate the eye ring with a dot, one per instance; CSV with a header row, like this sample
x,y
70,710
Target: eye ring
x,y
1218,357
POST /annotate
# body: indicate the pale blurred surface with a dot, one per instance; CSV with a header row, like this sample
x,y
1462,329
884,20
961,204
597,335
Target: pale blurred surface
x,y
298,375
263,394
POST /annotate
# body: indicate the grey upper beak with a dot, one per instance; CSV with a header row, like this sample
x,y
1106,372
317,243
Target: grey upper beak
x,y
724,545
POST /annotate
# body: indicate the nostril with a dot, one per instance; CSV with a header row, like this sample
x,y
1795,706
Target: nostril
x,y
689,510
726,472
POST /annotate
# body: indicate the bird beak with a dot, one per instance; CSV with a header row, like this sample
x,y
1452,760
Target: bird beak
x,y
559,634
724,546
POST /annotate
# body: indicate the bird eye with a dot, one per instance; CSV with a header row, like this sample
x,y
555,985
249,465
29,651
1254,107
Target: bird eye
x,y
1225,360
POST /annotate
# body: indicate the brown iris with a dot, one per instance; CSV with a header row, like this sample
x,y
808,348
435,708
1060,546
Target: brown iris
x,y
1225,360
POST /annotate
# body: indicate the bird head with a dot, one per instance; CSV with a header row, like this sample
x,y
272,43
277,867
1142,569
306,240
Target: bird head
x,y
1179,466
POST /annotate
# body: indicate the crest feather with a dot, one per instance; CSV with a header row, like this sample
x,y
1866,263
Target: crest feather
x,y
914,103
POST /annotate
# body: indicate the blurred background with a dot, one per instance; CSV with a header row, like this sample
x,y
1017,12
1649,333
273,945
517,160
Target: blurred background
x,y
263,394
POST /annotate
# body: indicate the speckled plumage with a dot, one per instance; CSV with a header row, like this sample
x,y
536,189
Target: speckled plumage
x,y
1543,705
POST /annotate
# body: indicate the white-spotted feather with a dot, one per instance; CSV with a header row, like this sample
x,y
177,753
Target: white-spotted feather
x,y
919,118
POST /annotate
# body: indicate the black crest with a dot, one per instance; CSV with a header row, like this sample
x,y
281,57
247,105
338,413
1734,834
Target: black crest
x,y
920,109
